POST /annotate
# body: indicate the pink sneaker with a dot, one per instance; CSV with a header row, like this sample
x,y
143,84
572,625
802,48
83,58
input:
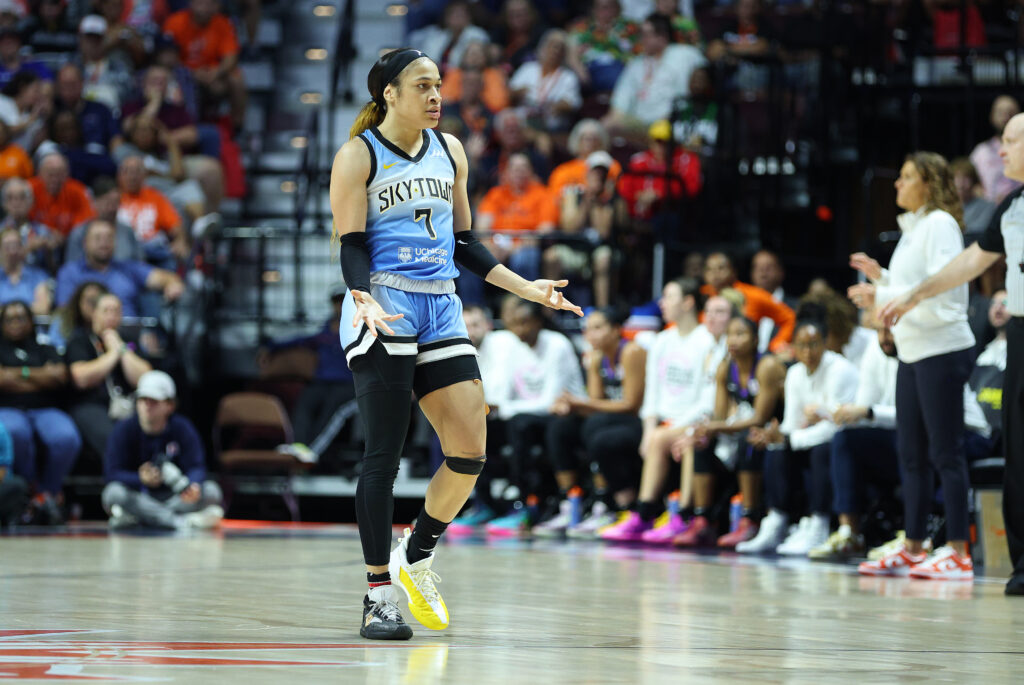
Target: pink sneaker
x,y
630,530
663,534
745,530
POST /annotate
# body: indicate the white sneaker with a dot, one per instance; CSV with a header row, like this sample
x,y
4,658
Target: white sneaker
x,y
769,536
204,519
418,583
812,531
555,526
600,517
119,518
300,452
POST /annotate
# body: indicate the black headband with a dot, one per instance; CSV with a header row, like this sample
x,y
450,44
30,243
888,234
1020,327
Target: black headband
x,y
387,70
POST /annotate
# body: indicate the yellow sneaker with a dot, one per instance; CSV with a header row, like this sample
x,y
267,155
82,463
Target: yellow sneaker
x,y
419,584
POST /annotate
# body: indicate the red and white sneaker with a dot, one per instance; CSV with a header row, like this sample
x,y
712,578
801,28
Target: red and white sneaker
x,y
896,563
945,564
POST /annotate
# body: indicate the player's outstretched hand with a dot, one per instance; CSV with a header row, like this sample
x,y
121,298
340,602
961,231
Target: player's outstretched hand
x,y
543,291
371,313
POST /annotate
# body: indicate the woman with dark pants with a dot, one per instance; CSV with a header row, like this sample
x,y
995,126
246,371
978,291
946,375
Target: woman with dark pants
x,y
33,379
606,422
934,344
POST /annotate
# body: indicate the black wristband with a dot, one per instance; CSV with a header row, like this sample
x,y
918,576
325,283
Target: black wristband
x,y
355,261
470,253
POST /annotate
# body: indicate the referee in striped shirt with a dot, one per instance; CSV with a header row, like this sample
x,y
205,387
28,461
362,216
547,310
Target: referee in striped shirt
x,y
1004,237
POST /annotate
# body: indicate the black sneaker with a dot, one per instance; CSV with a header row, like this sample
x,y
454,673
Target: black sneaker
x,y
382,619
1016,585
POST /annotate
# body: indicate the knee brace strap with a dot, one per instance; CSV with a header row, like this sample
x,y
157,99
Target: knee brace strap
x,y
469,467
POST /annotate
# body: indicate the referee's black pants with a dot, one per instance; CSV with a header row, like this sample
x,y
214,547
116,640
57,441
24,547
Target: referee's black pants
x,y
1013,442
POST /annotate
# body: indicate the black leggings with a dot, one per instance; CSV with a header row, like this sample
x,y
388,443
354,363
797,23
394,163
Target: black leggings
x,y
746,459
930,434
784,479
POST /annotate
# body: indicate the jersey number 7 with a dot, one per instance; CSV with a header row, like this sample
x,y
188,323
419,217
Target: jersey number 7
x,y
425,214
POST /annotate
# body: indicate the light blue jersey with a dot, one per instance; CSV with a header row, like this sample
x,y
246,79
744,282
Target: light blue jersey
x,y
409,224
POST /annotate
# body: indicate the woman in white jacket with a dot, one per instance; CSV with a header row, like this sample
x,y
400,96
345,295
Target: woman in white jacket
x,y
933,343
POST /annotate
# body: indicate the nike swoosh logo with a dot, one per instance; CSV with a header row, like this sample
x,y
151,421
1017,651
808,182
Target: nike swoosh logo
x,y
388,166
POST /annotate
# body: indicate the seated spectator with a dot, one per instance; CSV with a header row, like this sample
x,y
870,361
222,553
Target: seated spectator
x,y
719,274
107,200
50,29
698,119
122,40
512,135
77,313
684,27
100,131
209,47
644,187
986,386
105,371
744,36
20,282
523,205
768,274
818,384
605,422
546,89
14,162
446,43
649,84
491,88
329,389
59,202
182,89
157,225
109,79
541,370
601,45
13,489
517,34
155,466
679,391
175,146
587,137
24,108
127,280
748,394
977,209
12,58
593,212
985,155
40,242
64,135
34,380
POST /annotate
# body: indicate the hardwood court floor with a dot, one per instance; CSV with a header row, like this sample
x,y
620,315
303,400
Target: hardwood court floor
x,y
280,604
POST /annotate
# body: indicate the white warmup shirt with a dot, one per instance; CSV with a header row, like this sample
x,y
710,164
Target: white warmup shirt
x,y
833,383
536,376
938,325
680,376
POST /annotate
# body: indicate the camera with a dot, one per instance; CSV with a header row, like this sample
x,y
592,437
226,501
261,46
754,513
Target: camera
x,y
170,473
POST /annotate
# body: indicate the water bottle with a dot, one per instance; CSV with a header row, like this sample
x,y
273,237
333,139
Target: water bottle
x,y
575,498
735,511
673,504
532,510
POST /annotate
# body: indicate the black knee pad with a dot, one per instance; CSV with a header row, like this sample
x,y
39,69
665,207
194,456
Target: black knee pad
x,y
468,467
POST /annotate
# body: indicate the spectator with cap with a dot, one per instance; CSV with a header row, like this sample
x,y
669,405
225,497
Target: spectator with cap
x,y
12,58
108,78
649,84
209,47
155,466
60,202
645,188
33,378
107,200
128,280
20,282
104,370
40,241
330,388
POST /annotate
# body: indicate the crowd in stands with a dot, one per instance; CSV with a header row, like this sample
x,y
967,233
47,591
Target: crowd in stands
x,y
733,414
116,123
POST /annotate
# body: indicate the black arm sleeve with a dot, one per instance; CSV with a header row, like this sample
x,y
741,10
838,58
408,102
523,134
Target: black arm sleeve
x,y
470,253
355,261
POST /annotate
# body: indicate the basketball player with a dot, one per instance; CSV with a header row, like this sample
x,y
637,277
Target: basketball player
x,y
398,195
